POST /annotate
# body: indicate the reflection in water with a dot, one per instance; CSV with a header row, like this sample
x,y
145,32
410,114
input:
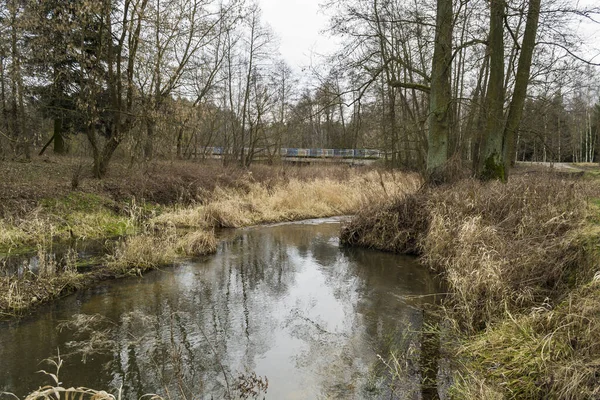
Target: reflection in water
x,y
61,255
284,302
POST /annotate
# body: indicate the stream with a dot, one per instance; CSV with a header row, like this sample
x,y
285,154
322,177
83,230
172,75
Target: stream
x,y
281,308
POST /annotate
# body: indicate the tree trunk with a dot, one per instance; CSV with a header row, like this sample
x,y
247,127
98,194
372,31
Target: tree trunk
x,y
3,94
105,157
515,112
17,109
493,163
57,138
441,92
474,122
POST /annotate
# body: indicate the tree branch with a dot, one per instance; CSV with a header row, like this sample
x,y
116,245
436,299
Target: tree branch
x,y
410,85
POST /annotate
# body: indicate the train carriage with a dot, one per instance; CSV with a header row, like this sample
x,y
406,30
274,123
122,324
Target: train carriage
x,y
347,153
315,153
371,153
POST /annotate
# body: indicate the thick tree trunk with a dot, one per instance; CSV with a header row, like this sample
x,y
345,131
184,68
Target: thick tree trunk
x,y
106,155
492,166
515,112
441,92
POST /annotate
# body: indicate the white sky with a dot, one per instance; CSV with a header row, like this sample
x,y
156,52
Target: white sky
x,y
299,25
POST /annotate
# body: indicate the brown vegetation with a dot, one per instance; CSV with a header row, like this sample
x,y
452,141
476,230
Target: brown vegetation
x,y
518,261
163,212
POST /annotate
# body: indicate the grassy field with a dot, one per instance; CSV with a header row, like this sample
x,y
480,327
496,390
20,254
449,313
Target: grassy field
x,y
521,264
158,213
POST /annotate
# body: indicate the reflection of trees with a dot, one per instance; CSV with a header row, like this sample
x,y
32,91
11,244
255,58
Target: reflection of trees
x,y
198,323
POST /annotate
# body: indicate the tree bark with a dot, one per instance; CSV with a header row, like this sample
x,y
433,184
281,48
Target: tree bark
x,y
493,163
440,97
105,157
515,112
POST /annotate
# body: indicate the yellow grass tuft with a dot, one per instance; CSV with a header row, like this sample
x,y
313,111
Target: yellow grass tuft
x,y
290,200
136,254
197,243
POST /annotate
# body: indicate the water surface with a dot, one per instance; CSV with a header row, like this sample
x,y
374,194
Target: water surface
x,y
283,302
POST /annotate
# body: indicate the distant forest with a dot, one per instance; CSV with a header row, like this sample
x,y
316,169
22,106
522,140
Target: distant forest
x,y
425,81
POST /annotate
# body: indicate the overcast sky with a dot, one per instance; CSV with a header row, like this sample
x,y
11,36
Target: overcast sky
x,y
299,25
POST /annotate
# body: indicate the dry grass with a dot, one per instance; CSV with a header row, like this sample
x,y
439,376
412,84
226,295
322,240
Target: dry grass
x,y
505,246
77,215
152,236
133,255
519,261
36,198
20,295
550,352
397,224
197,243
136,254
499,246
293,199
472,386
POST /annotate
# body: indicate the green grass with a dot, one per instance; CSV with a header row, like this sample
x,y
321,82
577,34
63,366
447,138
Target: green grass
x,y
73,202
74,216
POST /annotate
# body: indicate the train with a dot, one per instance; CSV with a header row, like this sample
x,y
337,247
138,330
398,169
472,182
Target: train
x,y
307,153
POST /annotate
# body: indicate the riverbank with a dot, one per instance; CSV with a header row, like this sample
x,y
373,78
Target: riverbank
x,y
521,264
156,214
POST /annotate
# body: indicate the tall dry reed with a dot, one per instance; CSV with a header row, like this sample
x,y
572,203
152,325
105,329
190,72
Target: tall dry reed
x,y
292,199
520,262
498,245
